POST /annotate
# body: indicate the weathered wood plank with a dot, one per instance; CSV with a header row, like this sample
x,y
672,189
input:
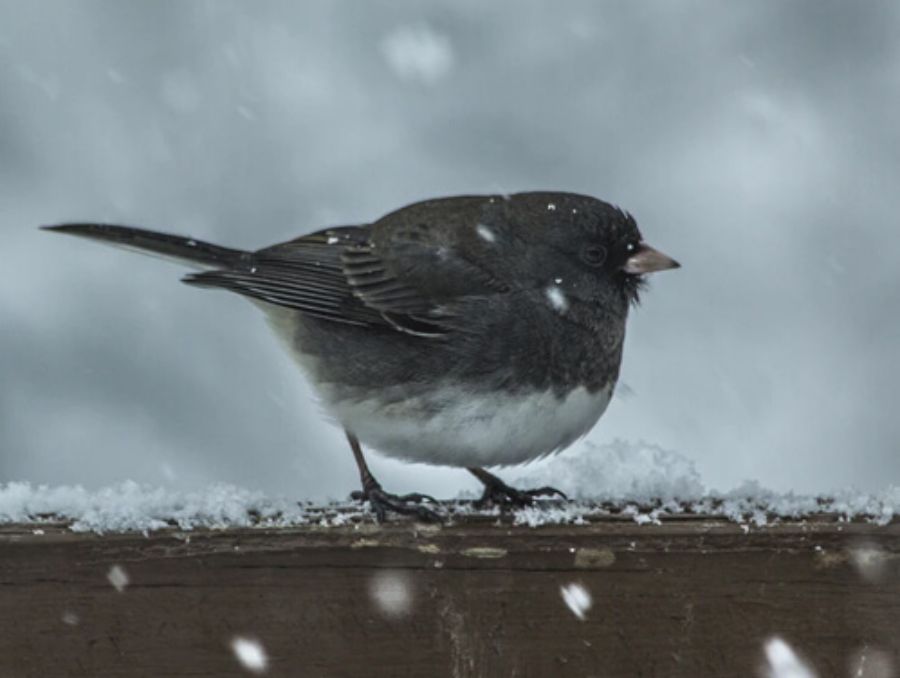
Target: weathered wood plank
x,y
691,597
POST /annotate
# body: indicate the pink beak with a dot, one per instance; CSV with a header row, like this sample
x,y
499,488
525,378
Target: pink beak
x,y
648,260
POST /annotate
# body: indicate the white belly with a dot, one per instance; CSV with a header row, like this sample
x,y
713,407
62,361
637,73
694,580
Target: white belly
x,y
452,426
473,430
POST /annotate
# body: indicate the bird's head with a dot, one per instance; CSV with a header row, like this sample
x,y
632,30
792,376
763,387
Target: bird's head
x,y
588,246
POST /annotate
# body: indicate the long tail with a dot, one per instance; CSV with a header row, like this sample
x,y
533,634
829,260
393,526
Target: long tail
x,y
185,250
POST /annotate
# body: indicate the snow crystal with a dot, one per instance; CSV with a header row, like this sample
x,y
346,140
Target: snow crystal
x,y
783,662
118,577
557,299
418,53
391,593
250,654
551,206
70,618
485,233
578,599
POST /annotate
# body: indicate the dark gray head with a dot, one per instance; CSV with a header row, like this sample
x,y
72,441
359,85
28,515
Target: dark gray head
x,y
599,244
591,248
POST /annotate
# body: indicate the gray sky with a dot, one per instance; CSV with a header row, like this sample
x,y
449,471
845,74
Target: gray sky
x,y
755,142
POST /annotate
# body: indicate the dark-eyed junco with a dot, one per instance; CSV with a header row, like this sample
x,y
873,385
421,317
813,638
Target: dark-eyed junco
x,y
467,331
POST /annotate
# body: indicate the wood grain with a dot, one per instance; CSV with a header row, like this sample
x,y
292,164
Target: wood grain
x,y
691,597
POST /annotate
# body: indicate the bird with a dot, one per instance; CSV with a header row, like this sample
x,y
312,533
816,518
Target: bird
x,y
468,331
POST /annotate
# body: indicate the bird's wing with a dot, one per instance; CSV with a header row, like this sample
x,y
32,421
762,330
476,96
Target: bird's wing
x,y
358,275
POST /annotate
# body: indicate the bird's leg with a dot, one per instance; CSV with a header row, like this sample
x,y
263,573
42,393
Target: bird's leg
x,y
381,501
498,492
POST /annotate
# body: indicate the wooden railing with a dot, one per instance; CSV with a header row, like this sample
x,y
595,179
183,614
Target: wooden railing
x,y
693,596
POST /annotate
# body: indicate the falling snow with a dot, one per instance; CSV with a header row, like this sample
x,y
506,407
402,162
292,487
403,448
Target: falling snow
x,y
783,662
557,299
577,598
390,591
118,577
485,233
418,53
872,662
870,562
250,654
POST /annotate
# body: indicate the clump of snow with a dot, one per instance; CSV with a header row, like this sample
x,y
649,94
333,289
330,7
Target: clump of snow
x,y
577,598
637,480
118,577
391,593
783,662
568,513
418,53
250,654
129,506
648,482
70,618
621,471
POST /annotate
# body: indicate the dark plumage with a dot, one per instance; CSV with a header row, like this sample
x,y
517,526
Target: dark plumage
x,y
469,331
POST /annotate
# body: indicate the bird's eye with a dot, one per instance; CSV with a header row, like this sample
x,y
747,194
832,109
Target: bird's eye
x,y
594,255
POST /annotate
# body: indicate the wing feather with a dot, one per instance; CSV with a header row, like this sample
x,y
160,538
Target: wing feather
x,y
334,275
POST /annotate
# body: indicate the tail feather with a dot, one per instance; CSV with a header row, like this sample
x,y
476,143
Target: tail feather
x,y
185,250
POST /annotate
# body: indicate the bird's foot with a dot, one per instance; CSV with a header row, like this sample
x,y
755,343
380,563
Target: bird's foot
x,y
405,504
498,493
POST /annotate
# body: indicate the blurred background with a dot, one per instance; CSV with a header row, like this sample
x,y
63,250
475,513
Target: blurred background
x,y
756,142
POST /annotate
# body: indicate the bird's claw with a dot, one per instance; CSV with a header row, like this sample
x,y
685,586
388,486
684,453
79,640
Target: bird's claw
x,y
382,502
501,494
